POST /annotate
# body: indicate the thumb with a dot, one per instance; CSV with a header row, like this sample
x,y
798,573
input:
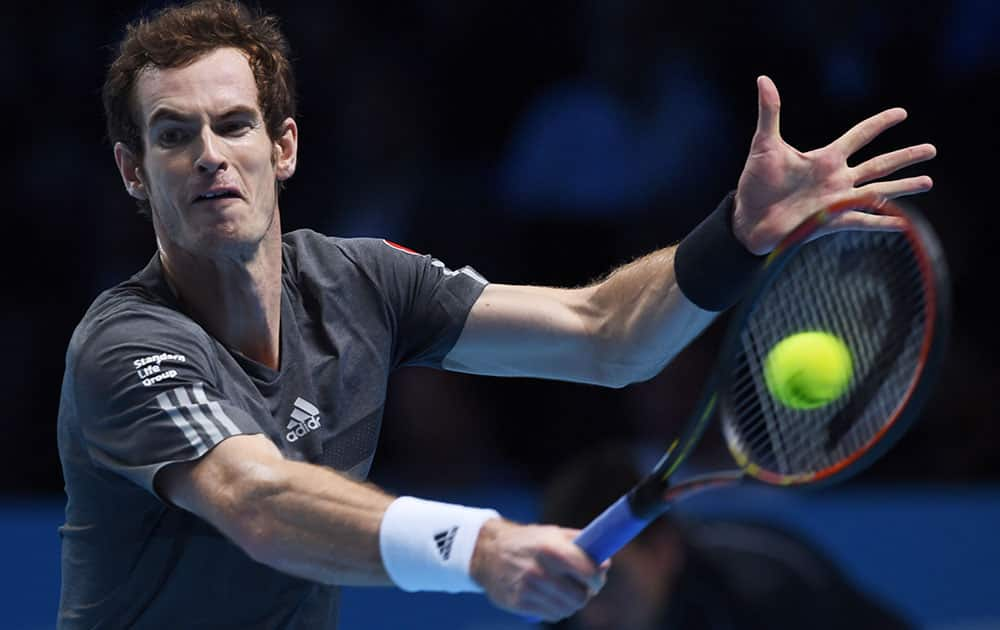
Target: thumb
x,y
768,106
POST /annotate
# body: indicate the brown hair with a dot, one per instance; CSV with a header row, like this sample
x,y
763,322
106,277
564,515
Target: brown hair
x,y
177,36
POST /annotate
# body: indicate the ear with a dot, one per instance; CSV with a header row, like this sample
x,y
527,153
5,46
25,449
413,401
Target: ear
x,y
286,149
130,168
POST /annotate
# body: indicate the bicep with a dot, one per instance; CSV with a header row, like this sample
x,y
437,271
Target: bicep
x,y
532,332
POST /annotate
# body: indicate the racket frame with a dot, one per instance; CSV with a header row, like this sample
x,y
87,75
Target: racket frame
x,y
654,495
937,317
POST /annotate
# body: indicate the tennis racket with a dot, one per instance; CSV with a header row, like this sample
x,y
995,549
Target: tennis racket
x,y
884,294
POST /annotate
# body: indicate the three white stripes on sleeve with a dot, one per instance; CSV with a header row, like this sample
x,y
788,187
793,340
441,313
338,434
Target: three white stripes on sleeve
x,y
187,405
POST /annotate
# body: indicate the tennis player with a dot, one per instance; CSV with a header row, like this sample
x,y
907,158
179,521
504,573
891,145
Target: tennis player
x,y
220,409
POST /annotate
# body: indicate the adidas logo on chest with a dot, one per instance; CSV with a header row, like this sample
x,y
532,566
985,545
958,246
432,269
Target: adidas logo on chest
x,y
305,418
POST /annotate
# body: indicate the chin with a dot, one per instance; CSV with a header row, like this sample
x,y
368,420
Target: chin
x,y
227,235
231,231
233,237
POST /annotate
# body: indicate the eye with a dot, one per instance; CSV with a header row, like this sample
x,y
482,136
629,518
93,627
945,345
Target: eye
x,y
235,127
171,136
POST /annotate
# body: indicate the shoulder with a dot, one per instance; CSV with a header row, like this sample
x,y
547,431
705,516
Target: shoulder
x,y
124,312
141,305
303,246
126,329
312,256
314,259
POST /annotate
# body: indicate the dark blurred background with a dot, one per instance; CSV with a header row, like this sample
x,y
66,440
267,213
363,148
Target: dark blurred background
x,y
539,142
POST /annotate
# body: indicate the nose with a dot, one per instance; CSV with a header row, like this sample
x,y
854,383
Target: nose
x,y
210,158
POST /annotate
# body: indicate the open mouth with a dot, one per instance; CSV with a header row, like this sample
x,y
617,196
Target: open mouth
x,y
214,195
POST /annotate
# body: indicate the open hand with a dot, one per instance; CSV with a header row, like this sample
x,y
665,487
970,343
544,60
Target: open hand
x,y
780,186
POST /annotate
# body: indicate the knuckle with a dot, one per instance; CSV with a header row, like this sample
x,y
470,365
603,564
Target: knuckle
x,y
518,594
530,578
533,574
548,549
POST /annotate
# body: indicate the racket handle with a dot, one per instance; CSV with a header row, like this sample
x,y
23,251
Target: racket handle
x,y
611,531
608,533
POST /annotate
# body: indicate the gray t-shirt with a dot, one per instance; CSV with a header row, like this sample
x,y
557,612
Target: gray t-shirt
x,y
146,386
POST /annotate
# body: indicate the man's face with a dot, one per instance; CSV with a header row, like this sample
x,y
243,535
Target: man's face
x,y
209,169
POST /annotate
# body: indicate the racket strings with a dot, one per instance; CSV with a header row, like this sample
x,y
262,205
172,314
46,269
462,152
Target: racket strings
x,y
808,449
744,391
867,289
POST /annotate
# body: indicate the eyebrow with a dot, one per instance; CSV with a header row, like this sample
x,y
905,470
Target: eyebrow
x,y
166,113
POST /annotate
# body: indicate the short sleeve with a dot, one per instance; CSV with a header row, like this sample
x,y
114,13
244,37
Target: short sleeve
x,y
428,302
431,303
147,393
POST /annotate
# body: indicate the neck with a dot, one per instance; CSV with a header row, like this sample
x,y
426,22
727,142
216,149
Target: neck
x,y
235,298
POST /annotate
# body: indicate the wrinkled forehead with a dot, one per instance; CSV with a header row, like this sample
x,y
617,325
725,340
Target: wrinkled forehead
x,y
216,82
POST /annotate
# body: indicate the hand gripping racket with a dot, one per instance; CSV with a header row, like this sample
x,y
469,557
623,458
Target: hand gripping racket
x,y
884,294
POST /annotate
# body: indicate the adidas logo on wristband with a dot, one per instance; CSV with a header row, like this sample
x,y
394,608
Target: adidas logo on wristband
x,y
428,546
444,539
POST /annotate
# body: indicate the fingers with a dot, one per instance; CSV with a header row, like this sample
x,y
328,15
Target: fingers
x,y
576,565
863,221
768,107
555,597
867,130
889,163
537,570
898,187
568,581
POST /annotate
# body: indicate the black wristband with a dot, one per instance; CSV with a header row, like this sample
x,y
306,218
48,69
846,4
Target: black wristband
x,y
713,269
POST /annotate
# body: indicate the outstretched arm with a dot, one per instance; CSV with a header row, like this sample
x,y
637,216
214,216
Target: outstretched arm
x,y
313,523
627,327
618,331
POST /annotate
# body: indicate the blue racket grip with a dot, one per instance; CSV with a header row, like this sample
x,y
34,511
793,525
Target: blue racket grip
x,y
611,531
608,533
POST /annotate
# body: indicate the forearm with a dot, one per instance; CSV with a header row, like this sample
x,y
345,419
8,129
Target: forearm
x,y
652,308
645,318
621,330
311,522
317,525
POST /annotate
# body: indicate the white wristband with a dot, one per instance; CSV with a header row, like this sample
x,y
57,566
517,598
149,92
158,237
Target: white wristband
x,y
427,546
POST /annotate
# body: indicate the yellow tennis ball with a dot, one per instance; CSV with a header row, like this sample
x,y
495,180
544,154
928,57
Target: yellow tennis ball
x,y
808,369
